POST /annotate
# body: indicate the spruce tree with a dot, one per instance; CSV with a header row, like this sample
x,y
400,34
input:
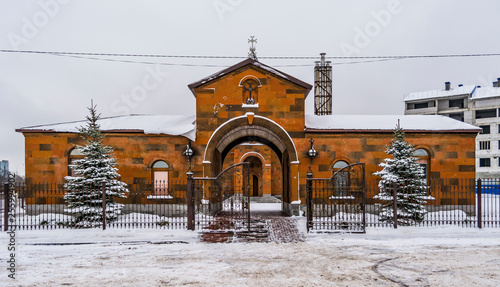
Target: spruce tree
x,y
409,177
84,191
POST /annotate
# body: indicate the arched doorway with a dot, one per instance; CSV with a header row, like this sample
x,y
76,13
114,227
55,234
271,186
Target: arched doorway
x,y
250,128
263,164
255,186
256,173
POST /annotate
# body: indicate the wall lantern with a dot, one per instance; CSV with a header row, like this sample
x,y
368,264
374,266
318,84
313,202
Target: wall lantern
x,y
312,152
189,152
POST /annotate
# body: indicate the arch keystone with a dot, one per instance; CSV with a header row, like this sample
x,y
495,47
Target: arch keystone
x,y
250,118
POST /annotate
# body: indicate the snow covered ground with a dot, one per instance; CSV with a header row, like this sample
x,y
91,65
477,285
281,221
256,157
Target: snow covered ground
x,y
434,256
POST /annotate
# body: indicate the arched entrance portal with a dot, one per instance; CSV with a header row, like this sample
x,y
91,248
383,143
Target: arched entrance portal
x,y
250,128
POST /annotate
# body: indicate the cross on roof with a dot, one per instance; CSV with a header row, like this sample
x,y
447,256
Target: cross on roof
x,y
252,54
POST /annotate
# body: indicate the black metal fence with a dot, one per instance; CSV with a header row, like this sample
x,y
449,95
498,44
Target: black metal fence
x,y
219,202
146,205
458,202
336,203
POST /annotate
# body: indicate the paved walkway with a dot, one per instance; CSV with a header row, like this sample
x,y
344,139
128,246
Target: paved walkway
x,y
265,226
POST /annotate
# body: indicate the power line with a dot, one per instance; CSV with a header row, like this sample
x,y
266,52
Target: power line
x,y
138,62
386,57
120,54
206,65
363,59
244,57
199,65
369,61
160,63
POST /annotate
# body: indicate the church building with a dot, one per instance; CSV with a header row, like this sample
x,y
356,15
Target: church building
x,y
251,112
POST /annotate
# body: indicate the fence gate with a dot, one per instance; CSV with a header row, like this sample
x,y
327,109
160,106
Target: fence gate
x,y
337,203
221,202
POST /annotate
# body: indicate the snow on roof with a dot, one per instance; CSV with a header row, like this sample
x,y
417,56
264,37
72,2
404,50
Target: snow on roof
x,y
486,92
463,90
386,122
269,69
474,92
149,124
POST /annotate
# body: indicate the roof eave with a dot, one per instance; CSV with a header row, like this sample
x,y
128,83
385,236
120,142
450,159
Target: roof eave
x,y
308,130
216,75
435,97
22,130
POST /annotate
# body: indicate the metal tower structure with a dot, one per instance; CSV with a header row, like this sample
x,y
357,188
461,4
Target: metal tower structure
x,y
323,87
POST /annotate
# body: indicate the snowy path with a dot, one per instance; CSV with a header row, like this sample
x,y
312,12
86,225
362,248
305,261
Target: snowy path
x,y
437,256
257,265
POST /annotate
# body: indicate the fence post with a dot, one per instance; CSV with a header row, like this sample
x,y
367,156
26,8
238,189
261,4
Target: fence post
x,y
6,200
364,200
309,201
103,205
190,201
479,205
247,166
395,203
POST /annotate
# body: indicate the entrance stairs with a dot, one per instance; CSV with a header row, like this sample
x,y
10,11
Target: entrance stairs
x,y
264,199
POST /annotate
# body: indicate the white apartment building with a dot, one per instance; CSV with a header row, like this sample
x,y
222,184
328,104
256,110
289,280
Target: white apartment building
x,y
476,105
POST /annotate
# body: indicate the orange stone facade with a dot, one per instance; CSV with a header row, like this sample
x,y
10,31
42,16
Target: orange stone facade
x,y
451,155
251,112
48,155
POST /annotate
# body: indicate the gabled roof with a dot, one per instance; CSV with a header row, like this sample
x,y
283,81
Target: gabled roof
x,y
256,64
148,124
386,123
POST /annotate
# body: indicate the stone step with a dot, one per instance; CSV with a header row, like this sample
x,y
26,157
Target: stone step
x,y
264,199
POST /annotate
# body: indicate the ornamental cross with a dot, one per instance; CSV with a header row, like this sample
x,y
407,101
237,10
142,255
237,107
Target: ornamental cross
x,y
249,87
252,54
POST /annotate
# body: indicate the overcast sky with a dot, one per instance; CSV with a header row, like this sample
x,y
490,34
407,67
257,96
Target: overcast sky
x,y
44,89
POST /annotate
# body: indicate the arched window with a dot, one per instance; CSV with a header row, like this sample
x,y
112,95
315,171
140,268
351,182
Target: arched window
x,y
339,164
250,92
75,154
423,159
160,177
341,179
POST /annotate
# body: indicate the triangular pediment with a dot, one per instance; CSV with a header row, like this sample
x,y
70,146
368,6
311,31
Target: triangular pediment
x,y
253,64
